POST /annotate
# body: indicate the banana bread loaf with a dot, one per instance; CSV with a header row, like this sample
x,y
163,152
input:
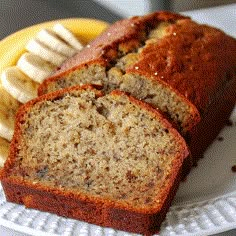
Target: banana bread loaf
x,y
185,69
110,160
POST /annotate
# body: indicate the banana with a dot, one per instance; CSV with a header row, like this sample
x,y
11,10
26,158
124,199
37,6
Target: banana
x,y
19,85
67,36
8,109
14,45
35,67
4,148
38,48
52,41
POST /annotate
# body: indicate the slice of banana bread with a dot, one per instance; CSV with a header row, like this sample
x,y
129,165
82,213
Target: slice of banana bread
x,y
110,160
185,69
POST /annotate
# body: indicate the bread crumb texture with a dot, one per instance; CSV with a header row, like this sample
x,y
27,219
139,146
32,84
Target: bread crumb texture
x,y
165,59
104,146
132,54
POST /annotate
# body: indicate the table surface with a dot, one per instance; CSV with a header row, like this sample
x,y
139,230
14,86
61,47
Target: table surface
x,y
223,17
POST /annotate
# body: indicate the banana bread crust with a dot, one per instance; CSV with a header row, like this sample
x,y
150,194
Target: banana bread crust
x,y
88,207
181,58
91,210
103,49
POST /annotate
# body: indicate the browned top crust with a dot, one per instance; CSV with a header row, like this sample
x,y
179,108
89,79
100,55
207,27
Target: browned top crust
x,y
195,60
102,49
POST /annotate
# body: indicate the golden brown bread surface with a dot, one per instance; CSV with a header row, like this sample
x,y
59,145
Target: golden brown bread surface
x,y
185,69
194,59
113,153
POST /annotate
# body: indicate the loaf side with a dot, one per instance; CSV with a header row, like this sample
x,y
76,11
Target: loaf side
x,y
185,69
119,153
186,62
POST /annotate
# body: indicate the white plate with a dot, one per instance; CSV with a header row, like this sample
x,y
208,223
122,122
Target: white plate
x,y
205,203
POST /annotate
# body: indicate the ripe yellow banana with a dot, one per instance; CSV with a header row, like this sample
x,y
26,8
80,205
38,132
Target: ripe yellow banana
x,y
67,36
19,85
84,29
35,67
8,109
4,148
52,41
36,47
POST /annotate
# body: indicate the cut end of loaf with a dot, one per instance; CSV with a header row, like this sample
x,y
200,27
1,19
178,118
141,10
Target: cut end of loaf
x,y
113,66
105,147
